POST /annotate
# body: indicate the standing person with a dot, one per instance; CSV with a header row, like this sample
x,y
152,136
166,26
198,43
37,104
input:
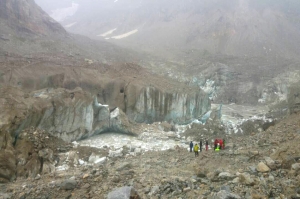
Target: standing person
x,y
196,148
206,145
216,143
221,144
218,147
191,146
200,144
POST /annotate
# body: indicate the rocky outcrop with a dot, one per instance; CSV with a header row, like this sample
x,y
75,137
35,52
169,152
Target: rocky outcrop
x,y
293,98
26,17
7,158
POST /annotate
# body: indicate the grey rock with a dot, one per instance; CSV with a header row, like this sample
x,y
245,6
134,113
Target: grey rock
x,y
69,184
226,195
246,179
147,190
226,176
252,169
5,196
154,190
296,166
46,154
123,193
226,188
124,166
270,163
262,167
271,178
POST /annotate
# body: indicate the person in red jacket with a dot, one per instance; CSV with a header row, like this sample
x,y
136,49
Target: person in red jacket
x,y
206,145
221,143
216,143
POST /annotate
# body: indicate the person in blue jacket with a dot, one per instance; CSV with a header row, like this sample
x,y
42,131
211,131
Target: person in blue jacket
x,y
191,146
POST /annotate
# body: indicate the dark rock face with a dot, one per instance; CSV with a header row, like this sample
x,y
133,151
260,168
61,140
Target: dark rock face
x,y
7,158
294,98
27,17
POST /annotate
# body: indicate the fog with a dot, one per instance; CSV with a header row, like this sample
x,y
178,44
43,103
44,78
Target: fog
x,y
231,27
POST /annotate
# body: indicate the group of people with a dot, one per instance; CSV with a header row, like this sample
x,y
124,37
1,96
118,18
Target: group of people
x,y
196,147
218,145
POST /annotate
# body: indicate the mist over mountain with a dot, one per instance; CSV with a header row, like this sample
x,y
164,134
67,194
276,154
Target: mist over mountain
x,y
170,28
236,50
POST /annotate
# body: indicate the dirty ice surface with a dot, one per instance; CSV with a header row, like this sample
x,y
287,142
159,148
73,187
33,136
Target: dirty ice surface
x,y
147,141
233,115
154,138
235,112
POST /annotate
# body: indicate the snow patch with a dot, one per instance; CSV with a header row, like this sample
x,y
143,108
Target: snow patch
x,y
115,113
107,33
70,25
61,14
125,35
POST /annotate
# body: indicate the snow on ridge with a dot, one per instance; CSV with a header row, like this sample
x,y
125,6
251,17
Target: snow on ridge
x,y
107,33
70,25
125,35
61,14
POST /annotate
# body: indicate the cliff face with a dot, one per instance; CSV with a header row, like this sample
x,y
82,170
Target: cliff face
x,y
26,17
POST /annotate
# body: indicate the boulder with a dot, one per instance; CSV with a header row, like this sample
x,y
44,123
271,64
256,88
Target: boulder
x,y
262,167
73,157
123,193
164,126
46,154
7,158
296,166
48,168
287,162
7,165
123,166
246,179
119,122
225,176
116,153
94,159
270,163
68,184
223,194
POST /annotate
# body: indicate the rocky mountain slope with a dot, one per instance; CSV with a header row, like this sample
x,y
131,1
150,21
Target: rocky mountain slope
x,y
52,92
70,88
